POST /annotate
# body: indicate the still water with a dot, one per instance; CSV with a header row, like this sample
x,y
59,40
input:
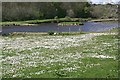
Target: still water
x,y
87,27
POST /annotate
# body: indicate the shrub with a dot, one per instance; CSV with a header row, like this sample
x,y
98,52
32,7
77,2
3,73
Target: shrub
x,y
68,18
5,34
51,32
56,17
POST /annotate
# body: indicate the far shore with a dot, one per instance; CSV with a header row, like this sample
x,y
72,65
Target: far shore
x,y
35,22
102,20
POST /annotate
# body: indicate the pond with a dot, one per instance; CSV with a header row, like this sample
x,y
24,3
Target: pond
x,y
87,27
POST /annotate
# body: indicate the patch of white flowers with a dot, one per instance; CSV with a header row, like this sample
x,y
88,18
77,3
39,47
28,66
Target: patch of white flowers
x,y
52,42
19,61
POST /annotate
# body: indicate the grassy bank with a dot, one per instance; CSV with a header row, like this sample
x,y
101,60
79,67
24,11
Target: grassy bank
x,y
51,33
33,22
60,20
103,20
17,23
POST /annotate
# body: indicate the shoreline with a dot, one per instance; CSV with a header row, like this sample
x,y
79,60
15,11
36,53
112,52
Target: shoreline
x,y
36,22
103,20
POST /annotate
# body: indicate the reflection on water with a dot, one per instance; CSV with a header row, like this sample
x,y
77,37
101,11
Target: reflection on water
x,y
87,27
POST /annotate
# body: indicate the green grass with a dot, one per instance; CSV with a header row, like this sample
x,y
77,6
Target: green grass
x,y
65,33
16,23
103,20
87,67
33,22
11,23
22,34
55,63
71,33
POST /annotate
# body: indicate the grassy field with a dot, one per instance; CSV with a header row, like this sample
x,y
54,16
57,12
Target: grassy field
x,y
92,55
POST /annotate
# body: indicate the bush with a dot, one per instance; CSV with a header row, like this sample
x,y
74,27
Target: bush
x,y
56,17
5,34
51,32
68,18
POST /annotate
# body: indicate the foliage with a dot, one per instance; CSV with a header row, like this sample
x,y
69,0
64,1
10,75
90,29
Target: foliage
x,y
30,11
36,11
104,11
51,32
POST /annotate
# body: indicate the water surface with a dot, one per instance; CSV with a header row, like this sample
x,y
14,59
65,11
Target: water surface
x,y
87,27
